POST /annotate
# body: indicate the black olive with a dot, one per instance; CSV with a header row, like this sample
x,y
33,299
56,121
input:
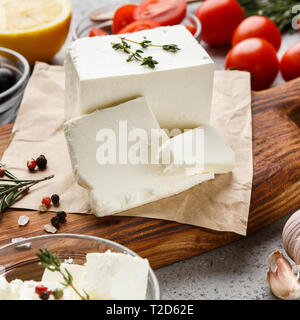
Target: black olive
x,y
7,79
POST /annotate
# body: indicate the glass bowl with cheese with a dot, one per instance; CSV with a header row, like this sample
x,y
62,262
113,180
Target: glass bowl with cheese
x,y
102,268
82,28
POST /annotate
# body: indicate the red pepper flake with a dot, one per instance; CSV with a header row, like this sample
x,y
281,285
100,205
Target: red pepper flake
x,y
40,288
26,191
2,171
46,201
31,164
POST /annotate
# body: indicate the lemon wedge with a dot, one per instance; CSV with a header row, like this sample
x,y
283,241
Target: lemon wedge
x,y
35,28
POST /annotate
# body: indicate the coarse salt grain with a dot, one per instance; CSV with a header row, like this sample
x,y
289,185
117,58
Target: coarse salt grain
x,y
23,246
69,260
23,220
50,229
15,240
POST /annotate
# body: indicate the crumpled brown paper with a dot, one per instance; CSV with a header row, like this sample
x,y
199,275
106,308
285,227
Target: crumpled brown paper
x,y
221,204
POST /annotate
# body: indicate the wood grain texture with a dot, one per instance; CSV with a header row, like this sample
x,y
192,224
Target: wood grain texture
x,y
275,192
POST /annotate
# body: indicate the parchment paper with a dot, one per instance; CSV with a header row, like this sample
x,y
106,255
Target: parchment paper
x,y
221,204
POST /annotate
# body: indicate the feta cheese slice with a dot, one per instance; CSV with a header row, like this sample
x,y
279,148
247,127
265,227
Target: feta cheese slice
x,y
116,276
117,187
178,90
217,155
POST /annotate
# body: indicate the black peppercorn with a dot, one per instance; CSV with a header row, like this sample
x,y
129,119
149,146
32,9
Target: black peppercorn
x,y
41,162
55,222
55,199
44,295
61,215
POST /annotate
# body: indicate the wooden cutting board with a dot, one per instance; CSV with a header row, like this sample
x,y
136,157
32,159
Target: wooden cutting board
x,y
275,192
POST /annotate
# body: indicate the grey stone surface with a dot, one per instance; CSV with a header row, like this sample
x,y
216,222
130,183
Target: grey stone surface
x,y
235,271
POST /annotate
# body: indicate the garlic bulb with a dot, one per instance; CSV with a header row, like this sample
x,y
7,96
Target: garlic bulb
x,y
283,281
291,237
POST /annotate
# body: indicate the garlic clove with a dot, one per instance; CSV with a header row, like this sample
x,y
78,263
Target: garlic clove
x,y
291,237
283,281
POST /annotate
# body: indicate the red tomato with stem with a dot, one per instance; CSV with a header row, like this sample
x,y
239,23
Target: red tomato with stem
x,y
258,27
122,17
290,63
219,19
95,32
139,26
257,56
165,12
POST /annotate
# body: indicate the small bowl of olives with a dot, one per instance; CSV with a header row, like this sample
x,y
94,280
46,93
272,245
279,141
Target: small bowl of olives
x,y
14,75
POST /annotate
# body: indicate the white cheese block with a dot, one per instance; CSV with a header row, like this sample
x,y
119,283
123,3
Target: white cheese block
x,y
217,155
118,187
116,276
178,90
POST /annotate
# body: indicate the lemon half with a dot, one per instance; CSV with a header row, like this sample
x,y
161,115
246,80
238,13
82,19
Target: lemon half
x,y
35,28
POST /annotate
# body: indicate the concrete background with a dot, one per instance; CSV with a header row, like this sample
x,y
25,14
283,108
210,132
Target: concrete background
x,y
235,271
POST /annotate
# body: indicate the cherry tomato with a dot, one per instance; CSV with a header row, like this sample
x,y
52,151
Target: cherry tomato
x,y
258,27
219,19
122,17
165,12
192,29
97,32
257,56
290,63
139,26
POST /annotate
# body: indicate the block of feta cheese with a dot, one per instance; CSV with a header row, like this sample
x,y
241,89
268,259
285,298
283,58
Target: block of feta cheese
x,y
116,276
119,186
216,155
178,90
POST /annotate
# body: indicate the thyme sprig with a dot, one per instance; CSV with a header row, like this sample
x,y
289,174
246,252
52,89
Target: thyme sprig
x,y
147,43
137,54
16,189
53,264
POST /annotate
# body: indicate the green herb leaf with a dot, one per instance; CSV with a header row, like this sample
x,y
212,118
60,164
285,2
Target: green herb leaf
x,y
150,62
171,47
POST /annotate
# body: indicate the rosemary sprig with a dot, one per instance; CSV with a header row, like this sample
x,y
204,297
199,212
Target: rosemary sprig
x,y
279,11
12,192
53,263
137,54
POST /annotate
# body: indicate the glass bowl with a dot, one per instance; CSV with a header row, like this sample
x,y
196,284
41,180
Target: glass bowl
x,y
84,25
18,260
10,99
